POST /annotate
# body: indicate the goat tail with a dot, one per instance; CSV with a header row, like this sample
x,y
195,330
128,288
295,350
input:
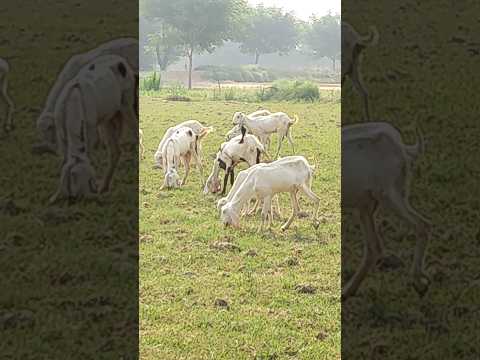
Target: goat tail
x,y
414,151
372,38
205,131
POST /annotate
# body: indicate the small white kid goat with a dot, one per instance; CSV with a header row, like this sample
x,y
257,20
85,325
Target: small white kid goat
x,y
375,171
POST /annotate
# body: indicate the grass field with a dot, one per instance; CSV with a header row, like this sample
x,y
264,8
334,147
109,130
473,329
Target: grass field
x,y
421,72
199,301
68,273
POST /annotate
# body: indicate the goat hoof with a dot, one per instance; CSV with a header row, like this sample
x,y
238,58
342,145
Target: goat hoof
x,y
422,285
344,297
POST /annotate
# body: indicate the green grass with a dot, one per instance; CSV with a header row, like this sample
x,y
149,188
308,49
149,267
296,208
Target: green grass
x,y
68,273
416,73
238,93
182,275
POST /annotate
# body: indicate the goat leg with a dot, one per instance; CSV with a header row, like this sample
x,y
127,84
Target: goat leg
x,y
295,209
112,138
370,254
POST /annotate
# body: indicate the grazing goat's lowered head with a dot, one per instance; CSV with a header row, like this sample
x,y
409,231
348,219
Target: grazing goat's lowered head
x,y
229,217
172,179
78,179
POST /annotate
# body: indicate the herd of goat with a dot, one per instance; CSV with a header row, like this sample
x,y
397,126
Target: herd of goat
x,y
96,95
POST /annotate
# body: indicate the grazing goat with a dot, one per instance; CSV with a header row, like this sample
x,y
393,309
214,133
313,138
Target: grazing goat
x,y
263,126
375,171
197,128
230,154
140,142
289,174
127,48
352,45
242,175
99,98
4,71
182,145
237,130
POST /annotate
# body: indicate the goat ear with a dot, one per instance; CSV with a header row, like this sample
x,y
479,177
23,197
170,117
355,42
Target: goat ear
x,y
93,186
122,69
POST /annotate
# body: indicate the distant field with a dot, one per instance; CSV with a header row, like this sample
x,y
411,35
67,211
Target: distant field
x,y
183,274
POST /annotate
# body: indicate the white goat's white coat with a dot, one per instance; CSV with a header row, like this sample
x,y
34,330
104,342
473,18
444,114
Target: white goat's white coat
x,y
182,145
101,98
375,171
289,174
236,130
4,71
230,154
127,48
264,126
197,128
241,177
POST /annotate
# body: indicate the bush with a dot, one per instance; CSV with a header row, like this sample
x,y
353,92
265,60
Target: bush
x,y
248,73
288,90
151,82
177,90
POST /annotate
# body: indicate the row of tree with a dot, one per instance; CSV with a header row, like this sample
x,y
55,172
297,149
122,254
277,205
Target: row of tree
x,y
182,28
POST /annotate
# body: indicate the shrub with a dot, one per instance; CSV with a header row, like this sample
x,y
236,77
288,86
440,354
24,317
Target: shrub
x,y
248,73
177,90
288,90
151,82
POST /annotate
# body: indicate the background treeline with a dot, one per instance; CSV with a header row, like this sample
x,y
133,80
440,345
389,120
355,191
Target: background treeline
x,y
232,41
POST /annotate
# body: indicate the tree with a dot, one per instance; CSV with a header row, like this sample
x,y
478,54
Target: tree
x,y
324,37
268,30
163,41
201,25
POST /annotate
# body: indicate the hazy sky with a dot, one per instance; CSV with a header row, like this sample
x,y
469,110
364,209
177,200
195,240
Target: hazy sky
x,y
303,8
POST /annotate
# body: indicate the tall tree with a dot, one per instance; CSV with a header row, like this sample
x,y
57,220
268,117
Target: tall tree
x,y
268,30
324,37
201,25
163,41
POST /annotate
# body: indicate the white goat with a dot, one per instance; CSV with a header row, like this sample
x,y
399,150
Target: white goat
x,y
101,98
140,142
242,175
197,128
230,154
263,126
289,174
127,48
237,130
375,171
182,145
4,71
